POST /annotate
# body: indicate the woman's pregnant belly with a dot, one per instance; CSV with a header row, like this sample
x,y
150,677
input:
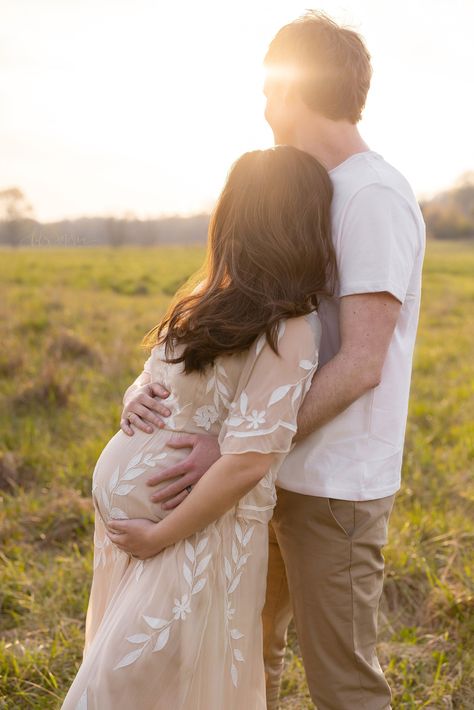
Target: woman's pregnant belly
x,y
119,487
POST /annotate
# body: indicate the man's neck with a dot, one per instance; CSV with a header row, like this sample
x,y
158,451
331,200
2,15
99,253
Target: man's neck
x,y
331,142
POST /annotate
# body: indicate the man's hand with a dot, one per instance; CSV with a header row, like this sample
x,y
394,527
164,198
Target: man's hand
x,y
204,452
143,407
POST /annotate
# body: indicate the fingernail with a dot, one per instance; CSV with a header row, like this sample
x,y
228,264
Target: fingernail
x,y
167,412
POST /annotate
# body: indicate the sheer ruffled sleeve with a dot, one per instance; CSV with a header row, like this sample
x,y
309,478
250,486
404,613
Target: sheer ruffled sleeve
x,y
147,363
262,416
143,378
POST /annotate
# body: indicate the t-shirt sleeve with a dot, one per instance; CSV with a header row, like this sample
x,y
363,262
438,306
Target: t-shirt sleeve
x,y
262,416
378,243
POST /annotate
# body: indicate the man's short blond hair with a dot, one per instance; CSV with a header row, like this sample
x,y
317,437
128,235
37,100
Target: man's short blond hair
x,y
330,64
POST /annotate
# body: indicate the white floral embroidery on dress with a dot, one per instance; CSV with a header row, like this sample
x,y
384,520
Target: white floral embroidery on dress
x,y
116,487
233,572
181,608
206,415
162,627
100,546
221,389
173,403
255,419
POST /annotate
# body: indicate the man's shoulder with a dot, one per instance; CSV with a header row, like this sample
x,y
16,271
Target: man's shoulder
x,y
367,178
368,171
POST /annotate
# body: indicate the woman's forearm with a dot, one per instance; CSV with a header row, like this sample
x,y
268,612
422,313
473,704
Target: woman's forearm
x,y
221,487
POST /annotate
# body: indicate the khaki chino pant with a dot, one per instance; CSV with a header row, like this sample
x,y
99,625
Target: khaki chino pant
x,y
327,554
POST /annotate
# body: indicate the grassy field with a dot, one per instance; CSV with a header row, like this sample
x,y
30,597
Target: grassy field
x,y
72,321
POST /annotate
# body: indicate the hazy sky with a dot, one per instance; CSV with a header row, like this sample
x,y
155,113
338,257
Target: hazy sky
x,y
115,106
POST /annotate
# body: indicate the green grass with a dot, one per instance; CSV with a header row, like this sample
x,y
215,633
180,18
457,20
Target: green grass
x,y
72,321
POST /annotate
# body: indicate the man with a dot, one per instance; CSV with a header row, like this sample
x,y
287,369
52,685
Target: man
x,y
336,487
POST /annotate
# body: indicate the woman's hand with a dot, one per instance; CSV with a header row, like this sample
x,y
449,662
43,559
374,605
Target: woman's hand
x,y
143,408
137,537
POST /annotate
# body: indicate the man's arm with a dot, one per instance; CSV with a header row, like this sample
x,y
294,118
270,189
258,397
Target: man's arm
x,y
367,322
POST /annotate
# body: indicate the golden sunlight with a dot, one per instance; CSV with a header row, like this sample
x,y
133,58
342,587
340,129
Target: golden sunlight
x,y
142,107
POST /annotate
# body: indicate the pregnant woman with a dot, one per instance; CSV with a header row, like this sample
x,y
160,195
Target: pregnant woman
x,y
173,621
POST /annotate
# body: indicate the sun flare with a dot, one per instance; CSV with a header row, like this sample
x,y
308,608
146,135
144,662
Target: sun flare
x,y
142,107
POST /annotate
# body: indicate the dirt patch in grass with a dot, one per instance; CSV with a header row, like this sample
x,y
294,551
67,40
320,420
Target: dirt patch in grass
x,y
14,472
67,344
50,388
10,364
56,518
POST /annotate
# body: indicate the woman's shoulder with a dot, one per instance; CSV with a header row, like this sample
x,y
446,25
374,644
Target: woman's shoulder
x,y
307,325
293,334
313,320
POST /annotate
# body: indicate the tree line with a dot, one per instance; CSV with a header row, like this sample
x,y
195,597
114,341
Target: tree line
x,y
448,215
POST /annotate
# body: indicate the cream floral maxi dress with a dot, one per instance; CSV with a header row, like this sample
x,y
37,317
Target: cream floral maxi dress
x,y
182,630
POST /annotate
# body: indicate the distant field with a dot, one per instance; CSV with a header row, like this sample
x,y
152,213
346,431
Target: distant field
x,y
72,321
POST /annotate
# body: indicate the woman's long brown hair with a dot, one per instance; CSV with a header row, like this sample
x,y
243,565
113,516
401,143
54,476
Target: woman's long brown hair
x,y
270,256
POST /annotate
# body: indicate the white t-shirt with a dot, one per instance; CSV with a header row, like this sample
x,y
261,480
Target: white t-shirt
x,y
379,238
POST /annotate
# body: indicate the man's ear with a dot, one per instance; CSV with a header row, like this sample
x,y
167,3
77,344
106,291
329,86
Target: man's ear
x,y
294,96
291,96
287,92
